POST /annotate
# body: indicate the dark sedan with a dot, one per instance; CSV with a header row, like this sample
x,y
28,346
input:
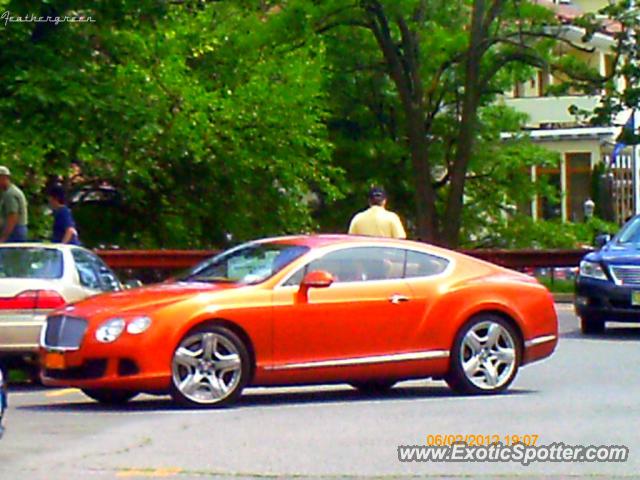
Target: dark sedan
x,y
608,285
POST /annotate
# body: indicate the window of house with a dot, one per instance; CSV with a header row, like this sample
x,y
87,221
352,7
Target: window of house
x,y
544,79
550,207
578,167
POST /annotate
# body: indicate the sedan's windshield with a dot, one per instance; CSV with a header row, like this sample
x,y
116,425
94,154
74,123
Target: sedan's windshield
x,y
41,263
630,233
250,263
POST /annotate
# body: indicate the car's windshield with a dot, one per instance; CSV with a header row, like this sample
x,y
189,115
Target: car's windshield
x,y
41,263
248,264
630,233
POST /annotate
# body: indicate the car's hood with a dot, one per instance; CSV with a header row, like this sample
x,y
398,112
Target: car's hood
x,y
143,300
614,253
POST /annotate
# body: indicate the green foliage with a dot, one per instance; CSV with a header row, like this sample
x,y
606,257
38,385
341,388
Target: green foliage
x,y
626,68
194,112
521,232
558,285
402,114
223,117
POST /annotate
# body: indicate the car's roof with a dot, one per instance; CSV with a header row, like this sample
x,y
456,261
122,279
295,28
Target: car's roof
x,y
322,240
51,246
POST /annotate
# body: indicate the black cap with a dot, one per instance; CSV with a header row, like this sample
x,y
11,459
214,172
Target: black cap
x,y
377,193
57,191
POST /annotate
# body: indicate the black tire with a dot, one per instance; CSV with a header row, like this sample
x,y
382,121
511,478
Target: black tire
x,y
591,326
110,397
458,380
244,369
374,387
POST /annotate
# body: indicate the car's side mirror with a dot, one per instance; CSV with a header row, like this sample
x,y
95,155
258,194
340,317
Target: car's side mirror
x,y
315,279
134,283
602,239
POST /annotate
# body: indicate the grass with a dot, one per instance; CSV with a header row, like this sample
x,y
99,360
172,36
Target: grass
x,y
557,285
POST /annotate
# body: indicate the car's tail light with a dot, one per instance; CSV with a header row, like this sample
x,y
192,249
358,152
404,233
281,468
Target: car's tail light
x,y
33,300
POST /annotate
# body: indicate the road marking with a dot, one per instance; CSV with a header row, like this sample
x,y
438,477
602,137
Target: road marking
x,y
150,473
61,393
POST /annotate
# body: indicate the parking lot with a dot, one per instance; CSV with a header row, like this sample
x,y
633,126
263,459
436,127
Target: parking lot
x,y
585,394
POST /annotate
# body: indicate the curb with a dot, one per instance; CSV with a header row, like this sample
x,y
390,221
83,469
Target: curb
x,y
563,297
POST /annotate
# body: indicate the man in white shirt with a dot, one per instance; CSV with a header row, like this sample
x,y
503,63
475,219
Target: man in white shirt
x,y
377,221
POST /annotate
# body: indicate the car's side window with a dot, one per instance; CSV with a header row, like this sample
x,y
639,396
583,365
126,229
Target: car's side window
x,y
357,264
108,280
87,273
424,265
296,278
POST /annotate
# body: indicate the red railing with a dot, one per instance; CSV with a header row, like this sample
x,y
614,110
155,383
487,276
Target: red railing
x,y
181,259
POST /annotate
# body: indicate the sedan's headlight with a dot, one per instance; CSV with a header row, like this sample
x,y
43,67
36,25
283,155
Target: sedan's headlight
x,y
138,325
110,330
592,270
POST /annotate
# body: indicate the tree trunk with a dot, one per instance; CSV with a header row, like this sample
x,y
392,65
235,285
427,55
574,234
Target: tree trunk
x,y
425,195
466,134
404,70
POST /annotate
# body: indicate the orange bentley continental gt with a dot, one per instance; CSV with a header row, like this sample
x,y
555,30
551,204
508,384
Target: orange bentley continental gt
x,y
305,310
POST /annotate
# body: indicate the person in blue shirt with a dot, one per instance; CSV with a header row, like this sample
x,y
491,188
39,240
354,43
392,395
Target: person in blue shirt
x,y
64,227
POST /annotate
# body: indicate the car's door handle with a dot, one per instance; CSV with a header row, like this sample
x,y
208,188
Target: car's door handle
x,y
396,299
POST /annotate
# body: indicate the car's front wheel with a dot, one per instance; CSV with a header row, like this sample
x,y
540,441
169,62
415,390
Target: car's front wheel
x,y
485,356
210,367
591,326
110,397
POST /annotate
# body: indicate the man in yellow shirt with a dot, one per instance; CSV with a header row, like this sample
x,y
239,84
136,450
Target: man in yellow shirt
x,y
377,221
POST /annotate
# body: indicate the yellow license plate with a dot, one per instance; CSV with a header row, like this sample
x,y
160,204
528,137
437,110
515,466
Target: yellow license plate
x,y
635,298
54,361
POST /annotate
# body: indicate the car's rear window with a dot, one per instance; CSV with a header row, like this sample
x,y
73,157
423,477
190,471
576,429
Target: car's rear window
x,y
40,263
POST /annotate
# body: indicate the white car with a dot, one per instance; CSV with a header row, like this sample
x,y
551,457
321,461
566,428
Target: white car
x,y
36,279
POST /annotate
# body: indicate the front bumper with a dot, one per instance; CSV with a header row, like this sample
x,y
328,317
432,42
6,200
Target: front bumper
x,y
90,372
605,301
132,362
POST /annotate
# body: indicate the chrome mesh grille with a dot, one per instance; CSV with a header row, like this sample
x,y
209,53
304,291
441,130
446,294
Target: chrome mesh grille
x,y
626,274
64,332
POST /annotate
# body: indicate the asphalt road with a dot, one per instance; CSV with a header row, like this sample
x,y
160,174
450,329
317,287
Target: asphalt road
x,y
587,393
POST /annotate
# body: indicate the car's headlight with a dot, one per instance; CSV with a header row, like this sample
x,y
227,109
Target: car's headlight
x,y
138,325
110,330
592,270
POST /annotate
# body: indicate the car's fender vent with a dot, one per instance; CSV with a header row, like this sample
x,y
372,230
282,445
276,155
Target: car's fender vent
x,y
127,367
89,370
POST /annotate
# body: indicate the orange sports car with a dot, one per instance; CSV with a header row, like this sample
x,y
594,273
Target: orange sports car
x,y
305,310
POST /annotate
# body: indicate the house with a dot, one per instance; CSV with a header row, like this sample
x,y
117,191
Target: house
x,y
581,147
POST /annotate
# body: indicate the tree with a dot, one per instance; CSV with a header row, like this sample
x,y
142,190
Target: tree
x,y
621,87
193,111
444,76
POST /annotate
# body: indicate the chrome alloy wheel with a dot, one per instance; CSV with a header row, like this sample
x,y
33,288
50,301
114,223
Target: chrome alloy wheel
x,y
488,355
206,368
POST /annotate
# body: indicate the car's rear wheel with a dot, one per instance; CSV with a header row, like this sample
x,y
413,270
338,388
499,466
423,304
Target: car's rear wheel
x,y
110,397
485,357
210,367
591,326
374,387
